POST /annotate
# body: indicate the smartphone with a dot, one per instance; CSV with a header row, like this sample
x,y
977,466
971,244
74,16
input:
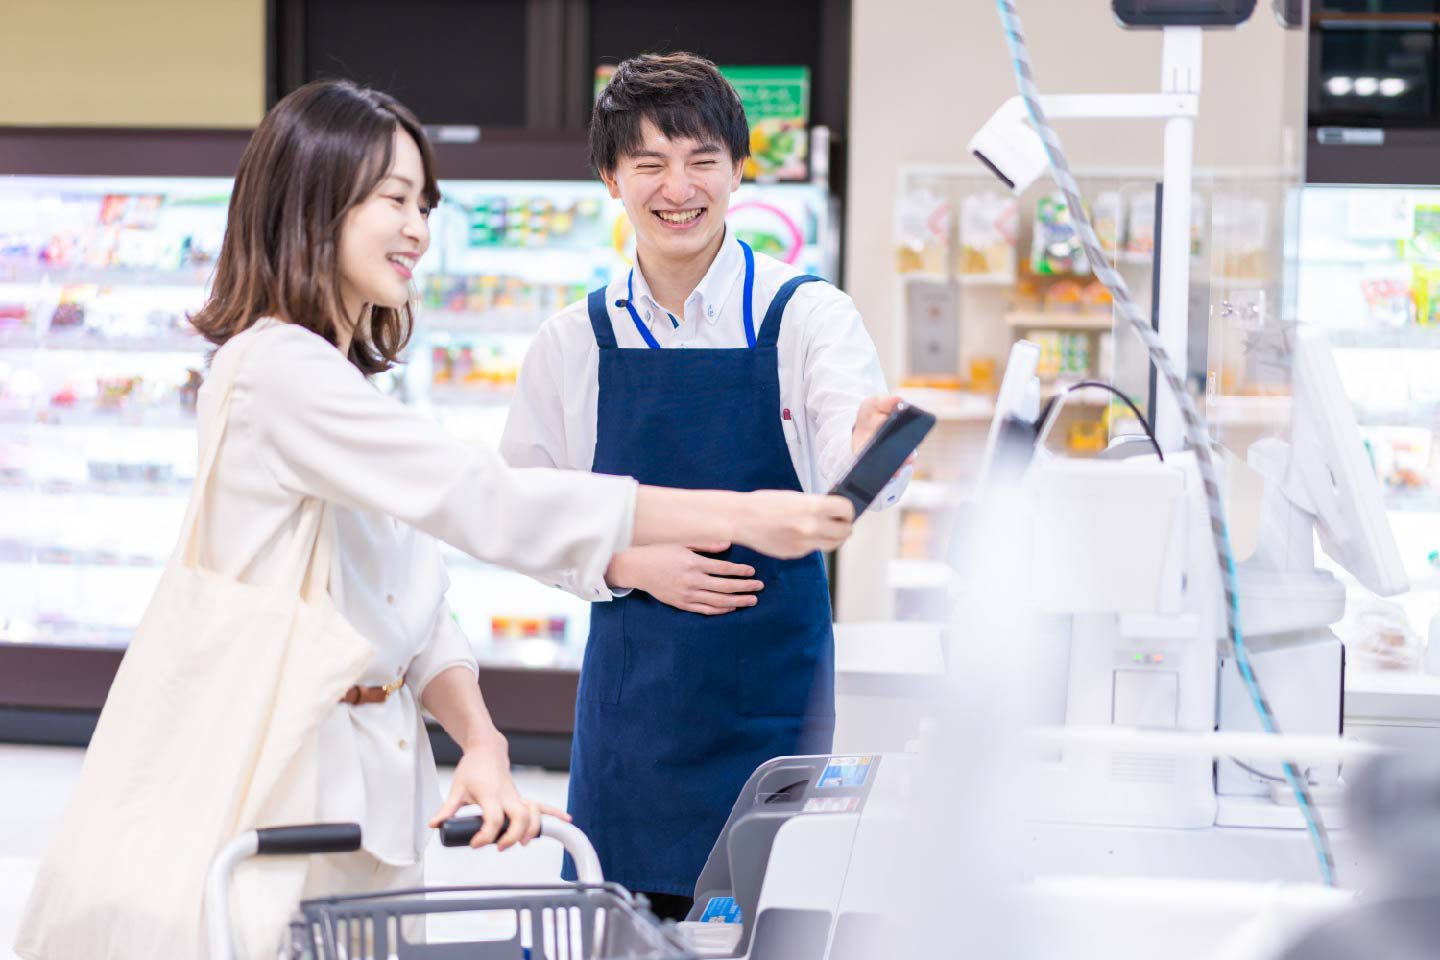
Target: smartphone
x,y
886,453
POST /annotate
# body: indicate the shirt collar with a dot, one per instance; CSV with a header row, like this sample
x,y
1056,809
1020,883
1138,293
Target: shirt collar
x,y
714,289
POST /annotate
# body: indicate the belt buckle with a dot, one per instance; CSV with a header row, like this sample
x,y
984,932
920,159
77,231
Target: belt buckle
x,y
393,685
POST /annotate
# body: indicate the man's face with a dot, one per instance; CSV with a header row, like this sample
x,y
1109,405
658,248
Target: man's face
x,y
676,192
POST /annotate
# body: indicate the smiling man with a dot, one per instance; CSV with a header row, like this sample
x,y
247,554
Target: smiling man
x,y
707,365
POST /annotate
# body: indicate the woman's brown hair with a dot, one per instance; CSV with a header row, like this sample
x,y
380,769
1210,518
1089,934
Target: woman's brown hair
x,y
319,152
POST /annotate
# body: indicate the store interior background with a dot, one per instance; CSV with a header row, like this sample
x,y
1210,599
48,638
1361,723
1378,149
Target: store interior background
x,y
924,76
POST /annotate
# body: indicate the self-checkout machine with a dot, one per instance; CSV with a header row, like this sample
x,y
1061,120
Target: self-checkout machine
x,y
776,882
1158,770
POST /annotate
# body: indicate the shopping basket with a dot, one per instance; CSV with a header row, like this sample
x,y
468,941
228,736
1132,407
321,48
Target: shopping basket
x,y
587,920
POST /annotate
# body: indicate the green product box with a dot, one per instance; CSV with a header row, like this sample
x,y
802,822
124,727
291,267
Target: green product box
x,y
777,106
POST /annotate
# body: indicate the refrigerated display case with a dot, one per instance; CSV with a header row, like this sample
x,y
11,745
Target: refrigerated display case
x,y
1369,271
99,370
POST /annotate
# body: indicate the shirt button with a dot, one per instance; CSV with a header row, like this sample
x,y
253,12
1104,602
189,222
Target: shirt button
x,y
390,599
402,744
709,311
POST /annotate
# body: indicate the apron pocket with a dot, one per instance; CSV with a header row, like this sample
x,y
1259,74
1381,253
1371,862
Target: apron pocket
x,y
603,669
786,652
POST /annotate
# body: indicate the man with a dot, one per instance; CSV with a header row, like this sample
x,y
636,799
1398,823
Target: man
x,y
707,365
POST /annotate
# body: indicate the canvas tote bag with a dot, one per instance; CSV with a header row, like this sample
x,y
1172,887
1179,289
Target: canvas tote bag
x,y
208,731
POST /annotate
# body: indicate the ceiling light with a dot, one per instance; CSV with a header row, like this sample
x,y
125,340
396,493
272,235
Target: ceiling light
x,y
1339,86
1366,86
1393,87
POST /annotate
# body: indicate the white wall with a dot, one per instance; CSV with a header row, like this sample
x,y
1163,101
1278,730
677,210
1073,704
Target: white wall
x,y
926,74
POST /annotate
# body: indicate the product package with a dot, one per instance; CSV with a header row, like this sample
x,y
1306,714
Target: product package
x,y
1109,220
922,230
1425,289
1055,246
988,223
777,107
1390,301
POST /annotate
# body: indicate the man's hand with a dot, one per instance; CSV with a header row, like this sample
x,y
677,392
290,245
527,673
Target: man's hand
x,y
679,577
872,413
868,420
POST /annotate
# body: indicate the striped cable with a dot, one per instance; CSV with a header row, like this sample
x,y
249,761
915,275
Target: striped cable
x,y
1195,432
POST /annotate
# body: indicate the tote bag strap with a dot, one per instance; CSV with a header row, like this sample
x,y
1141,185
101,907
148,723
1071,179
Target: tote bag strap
x,y
311,552
187,548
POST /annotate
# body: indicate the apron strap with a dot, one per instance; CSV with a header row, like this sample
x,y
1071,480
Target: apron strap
x,y
770,326
600,320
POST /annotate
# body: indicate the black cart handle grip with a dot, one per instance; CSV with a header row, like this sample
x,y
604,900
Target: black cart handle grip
x,y
308,838
459,831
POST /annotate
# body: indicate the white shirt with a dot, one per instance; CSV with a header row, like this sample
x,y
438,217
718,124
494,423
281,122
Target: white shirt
x,y
304,422
828,365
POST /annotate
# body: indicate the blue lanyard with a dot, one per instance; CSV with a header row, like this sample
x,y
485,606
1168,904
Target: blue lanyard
x,y
749,306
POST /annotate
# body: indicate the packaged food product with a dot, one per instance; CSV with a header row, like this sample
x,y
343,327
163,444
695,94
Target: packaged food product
x,y
1240,230
1378,637
1108,218
988,223
1390,301
1140,231
1064,297
1055,246
922,230
1425,289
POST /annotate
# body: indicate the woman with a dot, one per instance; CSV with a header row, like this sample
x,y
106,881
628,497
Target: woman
x,y
327,220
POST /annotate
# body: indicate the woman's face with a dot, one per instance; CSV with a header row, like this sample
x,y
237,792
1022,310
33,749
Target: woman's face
x,y
384,235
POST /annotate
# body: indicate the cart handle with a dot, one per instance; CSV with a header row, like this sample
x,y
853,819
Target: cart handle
x,y
459,831
267,841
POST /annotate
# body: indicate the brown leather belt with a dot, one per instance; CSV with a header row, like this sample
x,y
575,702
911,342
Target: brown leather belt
x,y
358,694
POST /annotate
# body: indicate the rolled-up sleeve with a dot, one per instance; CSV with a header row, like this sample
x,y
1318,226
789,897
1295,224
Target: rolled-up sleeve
x,y
325,431
447,647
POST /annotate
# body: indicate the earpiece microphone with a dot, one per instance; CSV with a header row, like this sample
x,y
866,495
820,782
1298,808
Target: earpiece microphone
x,y
622,304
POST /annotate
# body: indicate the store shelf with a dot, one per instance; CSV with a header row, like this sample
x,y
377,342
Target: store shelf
x,y
146,418
951,404
1420,415
444,395
141,490
907,574
1056,320
964,279
1093,397
929,495
1240,283
81,561
106,276
81,340
494,322
1248,411
1411,501
1412,337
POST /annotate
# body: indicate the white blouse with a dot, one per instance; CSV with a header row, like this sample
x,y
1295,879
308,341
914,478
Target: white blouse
x,y
304,422
828,366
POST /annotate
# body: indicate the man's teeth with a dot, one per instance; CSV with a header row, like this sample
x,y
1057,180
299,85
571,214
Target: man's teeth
x,y
406,262
680,217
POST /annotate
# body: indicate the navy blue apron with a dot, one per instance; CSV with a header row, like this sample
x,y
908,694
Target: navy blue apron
x,y
677,709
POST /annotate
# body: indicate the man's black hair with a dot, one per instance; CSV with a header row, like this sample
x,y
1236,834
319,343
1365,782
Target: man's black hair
x,y
682,94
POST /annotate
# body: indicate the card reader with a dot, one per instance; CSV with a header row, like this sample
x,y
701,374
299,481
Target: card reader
x,y
886,452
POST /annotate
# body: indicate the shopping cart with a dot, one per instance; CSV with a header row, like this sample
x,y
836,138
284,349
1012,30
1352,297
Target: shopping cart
x,y
588,920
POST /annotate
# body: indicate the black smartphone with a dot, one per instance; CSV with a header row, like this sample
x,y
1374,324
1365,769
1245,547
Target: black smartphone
x,y
886,452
